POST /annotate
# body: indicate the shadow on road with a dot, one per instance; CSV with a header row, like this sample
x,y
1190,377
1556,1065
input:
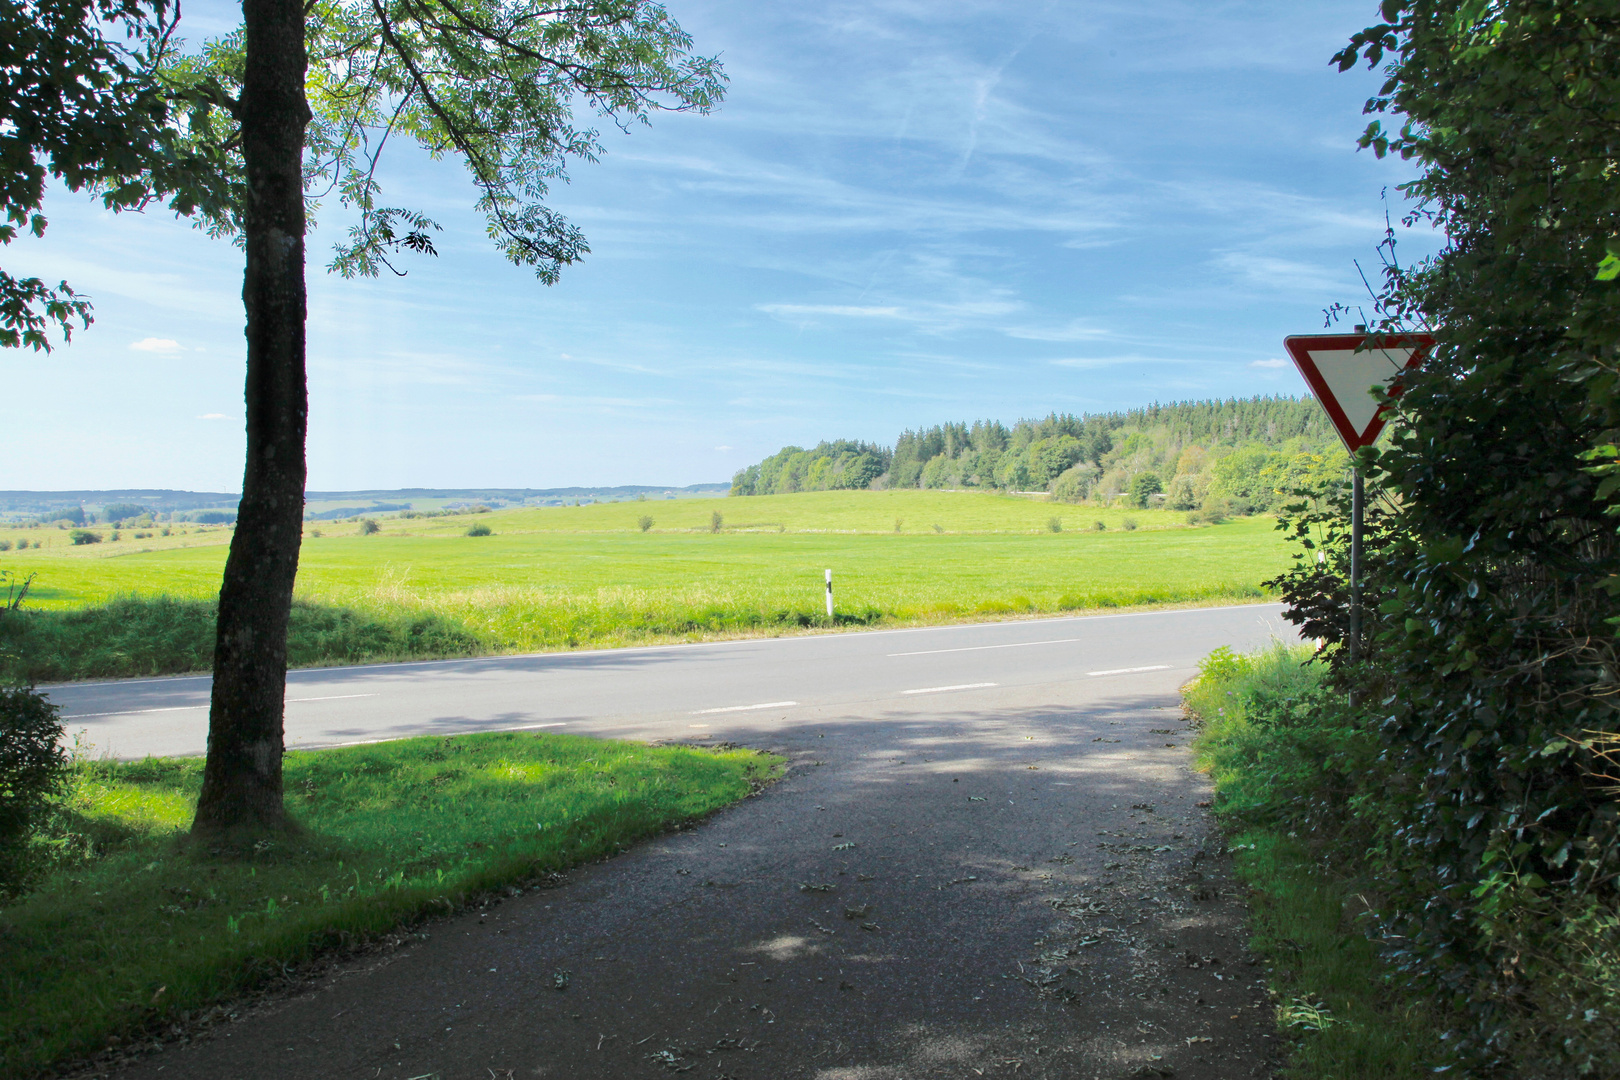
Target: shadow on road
x,y
1027,890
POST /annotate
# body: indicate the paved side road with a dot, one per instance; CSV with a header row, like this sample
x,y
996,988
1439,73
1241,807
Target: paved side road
x,y
1002,881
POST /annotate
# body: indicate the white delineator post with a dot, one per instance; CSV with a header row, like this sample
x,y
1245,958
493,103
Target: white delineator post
x,y
829,594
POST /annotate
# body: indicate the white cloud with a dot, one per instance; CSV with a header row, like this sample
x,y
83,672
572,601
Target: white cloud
x,y
1284,275
213,416
1273,363
157,345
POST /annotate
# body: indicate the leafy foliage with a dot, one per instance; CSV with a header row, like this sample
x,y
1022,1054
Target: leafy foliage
x,y
1491,663
32,764
831,466
494,82
87,111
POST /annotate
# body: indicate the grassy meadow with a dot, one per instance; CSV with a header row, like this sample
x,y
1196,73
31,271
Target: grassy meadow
x,y
133,928
567,577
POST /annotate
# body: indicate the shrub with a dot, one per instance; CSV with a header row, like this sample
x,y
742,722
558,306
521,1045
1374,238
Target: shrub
x,y
645,521
1054,524
898,524
1129,524
939,528
5,545
479,529
1099,526
1184,493
369,527
715,521
32,767
1144,485
84,536
1075,483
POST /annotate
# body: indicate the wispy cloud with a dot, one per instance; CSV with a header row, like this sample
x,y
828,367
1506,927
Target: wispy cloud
x,y
1096,363
1273,363
1276,274
1074,330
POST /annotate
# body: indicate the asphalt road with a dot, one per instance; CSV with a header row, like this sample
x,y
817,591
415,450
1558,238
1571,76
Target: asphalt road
x,y
989,858
684,690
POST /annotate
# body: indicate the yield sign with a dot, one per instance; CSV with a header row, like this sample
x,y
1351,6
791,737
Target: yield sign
x,y
1343,369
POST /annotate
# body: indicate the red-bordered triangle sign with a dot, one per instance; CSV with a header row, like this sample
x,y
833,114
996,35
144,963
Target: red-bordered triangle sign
x,y
1343,369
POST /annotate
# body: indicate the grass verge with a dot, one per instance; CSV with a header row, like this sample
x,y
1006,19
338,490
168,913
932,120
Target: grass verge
x,y
131,636
134,928
1278,752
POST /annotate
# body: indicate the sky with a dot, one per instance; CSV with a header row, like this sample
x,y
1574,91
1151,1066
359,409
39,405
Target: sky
x,y
905,212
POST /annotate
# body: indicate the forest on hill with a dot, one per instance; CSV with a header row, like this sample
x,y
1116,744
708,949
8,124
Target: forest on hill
x,y
1233,456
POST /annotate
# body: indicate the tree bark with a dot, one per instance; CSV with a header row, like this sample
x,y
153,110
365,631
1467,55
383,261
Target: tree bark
x,y
242,778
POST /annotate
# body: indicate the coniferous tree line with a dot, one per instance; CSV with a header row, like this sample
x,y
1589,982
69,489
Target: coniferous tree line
x,y
1235,454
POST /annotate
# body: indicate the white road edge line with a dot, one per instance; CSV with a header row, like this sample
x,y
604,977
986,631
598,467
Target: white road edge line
x,y
942,689
981,648
1130,670
314,673
132,712
328,697
746,708
186,708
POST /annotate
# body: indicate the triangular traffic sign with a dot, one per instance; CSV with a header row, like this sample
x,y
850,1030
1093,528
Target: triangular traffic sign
x,y
1342,370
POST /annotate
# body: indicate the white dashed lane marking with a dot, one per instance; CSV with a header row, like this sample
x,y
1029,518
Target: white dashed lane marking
x,y
1130,670
982,648
746,708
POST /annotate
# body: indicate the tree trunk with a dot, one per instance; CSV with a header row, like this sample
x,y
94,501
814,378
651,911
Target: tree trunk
x,y
242,778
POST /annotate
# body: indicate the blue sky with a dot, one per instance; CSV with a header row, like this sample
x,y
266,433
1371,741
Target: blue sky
x,y
906,212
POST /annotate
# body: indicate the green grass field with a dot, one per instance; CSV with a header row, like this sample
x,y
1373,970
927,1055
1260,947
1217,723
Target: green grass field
x,y
579,576
135,928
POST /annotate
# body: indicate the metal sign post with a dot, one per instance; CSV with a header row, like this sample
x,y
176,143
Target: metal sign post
x,y
1355,566
1342,371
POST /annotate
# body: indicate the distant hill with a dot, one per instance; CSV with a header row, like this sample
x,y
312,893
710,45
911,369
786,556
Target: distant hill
x,y
123,503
